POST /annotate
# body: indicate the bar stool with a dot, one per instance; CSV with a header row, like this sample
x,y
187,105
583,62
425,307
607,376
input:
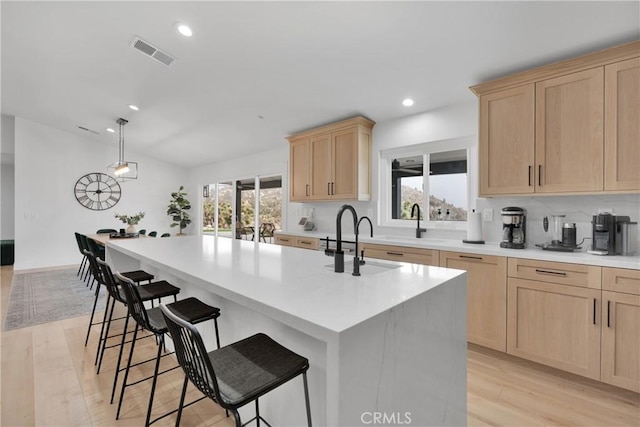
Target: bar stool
x,y
84,261
149,292
237,374
190,309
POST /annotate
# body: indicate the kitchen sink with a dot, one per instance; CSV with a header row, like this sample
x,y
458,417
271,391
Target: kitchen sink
x,y
370,268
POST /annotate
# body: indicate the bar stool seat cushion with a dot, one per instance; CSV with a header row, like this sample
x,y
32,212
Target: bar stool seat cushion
x,y
251,367
138,275
190,309
159,289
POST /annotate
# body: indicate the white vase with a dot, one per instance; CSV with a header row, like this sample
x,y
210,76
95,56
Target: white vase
x,y
131,228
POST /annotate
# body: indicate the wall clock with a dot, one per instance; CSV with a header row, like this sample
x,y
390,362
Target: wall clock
x,y
97,191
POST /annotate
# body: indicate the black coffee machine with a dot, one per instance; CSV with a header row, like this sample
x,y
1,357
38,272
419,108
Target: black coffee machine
x,y
603,233
514,221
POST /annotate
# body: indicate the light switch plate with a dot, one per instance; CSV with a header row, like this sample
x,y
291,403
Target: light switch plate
x,y
487,215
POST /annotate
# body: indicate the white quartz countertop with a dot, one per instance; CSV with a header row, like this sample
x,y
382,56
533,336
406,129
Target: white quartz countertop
x,y
489,248
296,286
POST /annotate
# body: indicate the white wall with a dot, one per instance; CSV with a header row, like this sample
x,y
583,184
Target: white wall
x,y
7,168
48,162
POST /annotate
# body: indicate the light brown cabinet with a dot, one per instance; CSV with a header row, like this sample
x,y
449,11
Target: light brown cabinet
x,y
400,253
622,126
332,162
486,296
568,127
555,318
569,133
297,242
620,357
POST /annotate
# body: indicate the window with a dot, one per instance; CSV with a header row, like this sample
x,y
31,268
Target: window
x,y
441,190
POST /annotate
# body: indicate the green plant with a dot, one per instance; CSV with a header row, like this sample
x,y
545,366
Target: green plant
x,y
131,219
177,207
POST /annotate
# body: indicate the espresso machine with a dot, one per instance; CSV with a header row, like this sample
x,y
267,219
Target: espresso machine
x,y
606,227
514,221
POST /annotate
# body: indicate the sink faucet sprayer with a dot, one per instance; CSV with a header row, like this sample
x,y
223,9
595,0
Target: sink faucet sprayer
x,y
419,230
358,261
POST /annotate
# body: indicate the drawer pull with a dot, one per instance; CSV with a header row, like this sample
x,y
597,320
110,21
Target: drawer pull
x,y
283,240
553,273
479,258
608,314
594,311
302,242
395,253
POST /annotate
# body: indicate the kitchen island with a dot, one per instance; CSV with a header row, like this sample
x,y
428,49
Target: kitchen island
x,y
387,347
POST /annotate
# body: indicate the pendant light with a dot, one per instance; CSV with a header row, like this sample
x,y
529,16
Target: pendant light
x,y
123,169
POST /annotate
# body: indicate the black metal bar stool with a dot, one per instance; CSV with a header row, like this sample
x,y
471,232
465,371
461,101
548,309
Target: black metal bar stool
x,y
190,309
237,374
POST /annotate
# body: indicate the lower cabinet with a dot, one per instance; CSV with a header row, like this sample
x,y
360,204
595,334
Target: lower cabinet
x,y
400,253
297,242
556,325
620,364
486,296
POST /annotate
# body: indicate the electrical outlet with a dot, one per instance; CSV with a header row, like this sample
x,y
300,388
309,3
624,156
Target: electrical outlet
x,y
487,215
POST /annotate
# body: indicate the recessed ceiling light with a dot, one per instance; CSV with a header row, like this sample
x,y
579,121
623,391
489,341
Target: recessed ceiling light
x,y
184,30
133,107
408,102
110,130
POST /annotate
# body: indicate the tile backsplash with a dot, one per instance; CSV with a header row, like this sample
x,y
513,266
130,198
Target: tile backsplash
x,y
578,209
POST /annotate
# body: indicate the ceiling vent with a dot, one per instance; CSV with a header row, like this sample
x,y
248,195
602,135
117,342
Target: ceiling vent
x,y
151,51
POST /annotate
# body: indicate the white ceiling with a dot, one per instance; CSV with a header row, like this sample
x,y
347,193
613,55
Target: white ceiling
x,y
296,64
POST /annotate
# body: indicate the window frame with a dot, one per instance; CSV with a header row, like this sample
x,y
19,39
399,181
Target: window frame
x,y
425,149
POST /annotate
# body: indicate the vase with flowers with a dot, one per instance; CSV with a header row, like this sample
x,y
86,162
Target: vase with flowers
x,y
131,221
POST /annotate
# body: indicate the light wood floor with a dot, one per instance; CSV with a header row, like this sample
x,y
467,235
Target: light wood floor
x,y
48,379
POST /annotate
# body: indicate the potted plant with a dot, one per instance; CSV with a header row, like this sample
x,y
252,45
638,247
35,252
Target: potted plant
x,y
131,220
178,206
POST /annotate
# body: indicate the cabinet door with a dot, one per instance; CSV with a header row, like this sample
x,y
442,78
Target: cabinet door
x,y
300,155
507,141
621,340
344,184
555,325
486,297
569,133
321,167
622,126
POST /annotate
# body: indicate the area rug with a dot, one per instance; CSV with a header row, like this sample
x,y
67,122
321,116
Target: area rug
x,y
47,296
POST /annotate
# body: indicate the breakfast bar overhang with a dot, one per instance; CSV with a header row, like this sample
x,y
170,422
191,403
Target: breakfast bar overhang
x,y
387,347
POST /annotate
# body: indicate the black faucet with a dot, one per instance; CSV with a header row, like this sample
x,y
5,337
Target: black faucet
x,y
419,230
339,253
358,261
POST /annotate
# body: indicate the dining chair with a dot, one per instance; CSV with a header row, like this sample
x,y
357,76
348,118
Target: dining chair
x,y
106,231
237,374
153,234
166,235
142,232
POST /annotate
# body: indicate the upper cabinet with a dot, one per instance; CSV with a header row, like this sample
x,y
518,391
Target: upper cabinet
x,y
332,162
565,128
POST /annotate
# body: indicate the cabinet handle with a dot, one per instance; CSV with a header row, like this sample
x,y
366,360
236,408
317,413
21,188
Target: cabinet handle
x,y
479,258
539,175
283,240
302,242
594,311
328,188
395,253
608,314
530,175
333,190
553,273
306,190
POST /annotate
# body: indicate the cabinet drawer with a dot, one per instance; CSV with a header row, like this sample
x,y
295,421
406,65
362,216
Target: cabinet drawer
x,y
621,280
401,253
585,276
285,240
307,243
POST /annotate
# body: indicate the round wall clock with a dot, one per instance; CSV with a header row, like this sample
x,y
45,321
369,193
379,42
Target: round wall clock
x,y
97,191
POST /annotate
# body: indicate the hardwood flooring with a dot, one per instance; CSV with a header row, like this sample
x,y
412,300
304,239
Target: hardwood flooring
x,y
48,379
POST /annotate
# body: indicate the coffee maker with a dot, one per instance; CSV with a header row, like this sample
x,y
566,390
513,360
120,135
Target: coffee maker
x,y
603,233
514,221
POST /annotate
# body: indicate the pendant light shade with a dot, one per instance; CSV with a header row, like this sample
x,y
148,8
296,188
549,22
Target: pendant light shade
x,y
122,169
